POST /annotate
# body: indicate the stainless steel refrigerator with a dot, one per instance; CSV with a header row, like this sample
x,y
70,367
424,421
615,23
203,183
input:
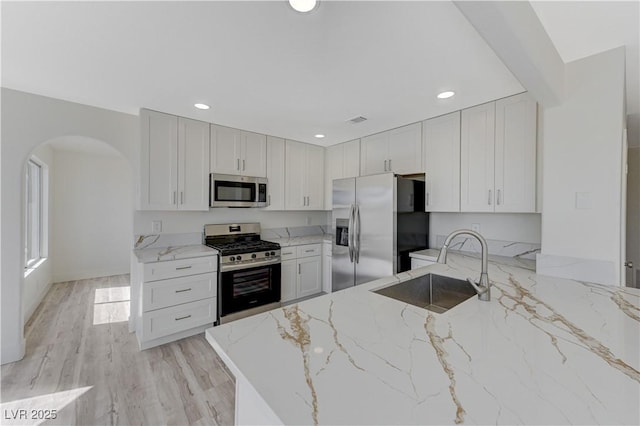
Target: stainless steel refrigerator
x,y
377,221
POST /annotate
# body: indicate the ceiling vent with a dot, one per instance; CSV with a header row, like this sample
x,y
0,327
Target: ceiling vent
x,y
358,119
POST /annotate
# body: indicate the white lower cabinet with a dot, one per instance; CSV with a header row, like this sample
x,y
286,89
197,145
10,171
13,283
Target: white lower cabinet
x,y
301,271
327,248
174,299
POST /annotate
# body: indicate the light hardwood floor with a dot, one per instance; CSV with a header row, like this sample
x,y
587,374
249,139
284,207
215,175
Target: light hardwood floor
x,y
82,362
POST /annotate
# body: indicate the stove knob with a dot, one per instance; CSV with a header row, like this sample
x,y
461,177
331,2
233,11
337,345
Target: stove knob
x,y
273,253
253,256
238,257
266,254
232,258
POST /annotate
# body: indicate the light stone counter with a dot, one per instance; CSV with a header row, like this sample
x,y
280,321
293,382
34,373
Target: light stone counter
x,y
160,254
543,351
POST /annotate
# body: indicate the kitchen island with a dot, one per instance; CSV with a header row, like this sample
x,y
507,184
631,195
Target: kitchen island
x,y
544,350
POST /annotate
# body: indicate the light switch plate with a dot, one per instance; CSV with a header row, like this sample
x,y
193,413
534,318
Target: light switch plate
x,y
156,226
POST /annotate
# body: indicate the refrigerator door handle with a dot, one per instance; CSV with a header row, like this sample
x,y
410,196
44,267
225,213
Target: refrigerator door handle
x,y
351,231
357,233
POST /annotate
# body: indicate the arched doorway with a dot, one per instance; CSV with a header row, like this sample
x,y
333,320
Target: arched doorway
x,y
85,222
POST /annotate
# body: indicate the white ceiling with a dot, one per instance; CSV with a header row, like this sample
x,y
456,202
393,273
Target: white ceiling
x,y
263,67
260,65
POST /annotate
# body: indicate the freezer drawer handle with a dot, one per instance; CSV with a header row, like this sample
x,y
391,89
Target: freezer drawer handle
x,y
183,290
185,317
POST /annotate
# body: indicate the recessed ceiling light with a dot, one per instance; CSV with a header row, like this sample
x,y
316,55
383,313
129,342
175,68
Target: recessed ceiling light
x,y
445,95
303,5
201,106
319,136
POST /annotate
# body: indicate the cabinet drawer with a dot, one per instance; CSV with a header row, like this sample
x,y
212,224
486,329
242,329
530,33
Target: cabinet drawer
x,y
175,291
180,268
309,250
288,253
164,322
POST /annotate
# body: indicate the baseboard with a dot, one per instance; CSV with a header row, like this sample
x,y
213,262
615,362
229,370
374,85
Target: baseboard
x,y
94,273
590,270
30,310
11,353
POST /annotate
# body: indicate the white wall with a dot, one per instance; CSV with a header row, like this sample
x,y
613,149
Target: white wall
x,y
28,121
38,280
633,212
178,222
582,154
92,220
521,227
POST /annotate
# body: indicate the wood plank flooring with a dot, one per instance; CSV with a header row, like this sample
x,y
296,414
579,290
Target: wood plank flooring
x,y
82,362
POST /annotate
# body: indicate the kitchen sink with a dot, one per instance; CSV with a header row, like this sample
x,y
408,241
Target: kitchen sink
x,y
433,292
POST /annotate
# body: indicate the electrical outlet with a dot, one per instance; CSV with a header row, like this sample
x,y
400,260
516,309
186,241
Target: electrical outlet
x,y
156,226
475,227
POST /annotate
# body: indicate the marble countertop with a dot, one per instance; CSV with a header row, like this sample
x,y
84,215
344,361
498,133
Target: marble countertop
x,y
160,254
544,350
298,241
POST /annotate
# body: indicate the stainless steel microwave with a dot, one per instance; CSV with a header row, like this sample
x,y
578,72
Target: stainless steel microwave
x,y
237,191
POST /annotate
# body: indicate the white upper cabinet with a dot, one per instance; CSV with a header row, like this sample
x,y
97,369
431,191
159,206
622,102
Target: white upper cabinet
x,y
304,173
193,165
442,163
253,154
174,163
405,149
515,153
477,158
398,150
340,161
374,154
498,156
275,173
236,152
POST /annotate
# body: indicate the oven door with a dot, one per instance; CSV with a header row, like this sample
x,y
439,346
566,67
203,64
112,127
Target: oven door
x,y
249,287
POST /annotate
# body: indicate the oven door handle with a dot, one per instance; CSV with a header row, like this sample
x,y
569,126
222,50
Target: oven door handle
x,y
226,268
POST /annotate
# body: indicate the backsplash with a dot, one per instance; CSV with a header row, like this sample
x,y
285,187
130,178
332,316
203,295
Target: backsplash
x,y
496,247
167,240
295,231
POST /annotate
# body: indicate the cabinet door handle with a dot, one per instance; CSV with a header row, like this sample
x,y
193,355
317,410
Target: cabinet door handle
x,y
498,197
427,202
243,165
489,199
173,197
385,165
299,269
183,290
183,267
181,197
237,164
309,251
390,169
287,253
185,317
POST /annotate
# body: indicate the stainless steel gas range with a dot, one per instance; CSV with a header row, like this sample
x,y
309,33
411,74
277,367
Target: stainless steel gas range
x,y
249,270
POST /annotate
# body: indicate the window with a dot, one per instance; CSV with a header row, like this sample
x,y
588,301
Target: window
x,y
35,212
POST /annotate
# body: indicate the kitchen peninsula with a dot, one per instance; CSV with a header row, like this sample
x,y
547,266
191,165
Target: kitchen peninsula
x,y
543,351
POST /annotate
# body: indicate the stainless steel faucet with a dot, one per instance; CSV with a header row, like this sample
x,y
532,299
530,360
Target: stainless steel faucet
x,y
482,286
